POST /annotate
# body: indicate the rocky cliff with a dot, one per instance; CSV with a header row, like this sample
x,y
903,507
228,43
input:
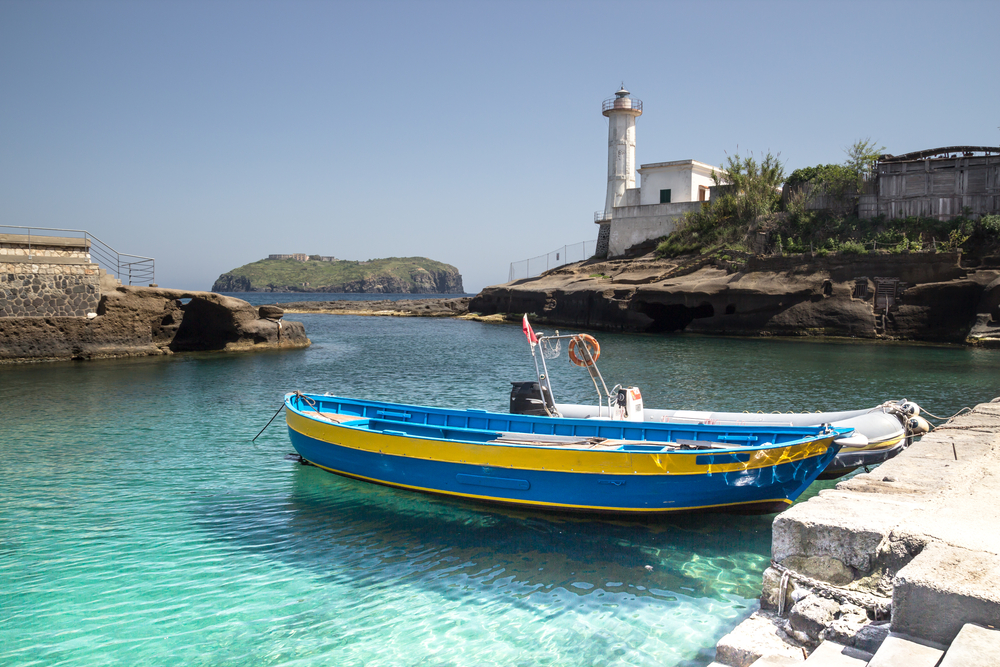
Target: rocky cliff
x,y
919,296
394,275
142,321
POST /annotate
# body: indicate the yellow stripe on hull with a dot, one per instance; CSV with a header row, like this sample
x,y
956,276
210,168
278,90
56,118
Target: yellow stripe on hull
x,y
559,459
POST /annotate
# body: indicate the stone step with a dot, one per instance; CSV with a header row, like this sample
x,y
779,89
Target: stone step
x,y
943,589
903,650
832,654
776,661
974,646
759,635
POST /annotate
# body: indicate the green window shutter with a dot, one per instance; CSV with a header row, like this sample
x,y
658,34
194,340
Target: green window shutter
x,y
664,196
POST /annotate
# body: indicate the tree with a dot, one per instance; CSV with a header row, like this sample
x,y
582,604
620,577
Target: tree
x,y
861,158
754,189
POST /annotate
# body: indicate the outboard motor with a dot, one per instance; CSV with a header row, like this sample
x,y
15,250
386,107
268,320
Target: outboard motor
x,y
629,402
526,399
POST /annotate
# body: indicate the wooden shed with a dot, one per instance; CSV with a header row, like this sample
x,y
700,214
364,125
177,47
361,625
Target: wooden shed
x,y
937,183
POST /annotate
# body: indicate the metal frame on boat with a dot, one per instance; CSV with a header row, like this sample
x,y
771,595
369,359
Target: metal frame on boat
x,y
881,432
590,465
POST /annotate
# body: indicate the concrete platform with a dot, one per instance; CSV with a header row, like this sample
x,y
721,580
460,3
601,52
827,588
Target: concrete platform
x,y
900,650
943,589
974,647
920,529
832,654
775,661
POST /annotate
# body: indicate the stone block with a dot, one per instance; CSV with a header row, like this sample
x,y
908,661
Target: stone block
x,y
813,614
832,527
943,589
899,650
870,637
973,647
832,654
777,661
759,635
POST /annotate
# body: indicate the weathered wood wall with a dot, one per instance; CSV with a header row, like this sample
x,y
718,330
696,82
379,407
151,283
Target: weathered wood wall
x,y
936,187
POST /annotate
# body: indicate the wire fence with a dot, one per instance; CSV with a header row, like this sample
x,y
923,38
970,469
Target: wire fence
x,y
529,268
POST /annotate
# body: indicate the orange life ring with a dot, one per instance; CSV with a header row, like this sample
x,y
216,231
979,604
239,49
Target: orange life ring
x,y
586,342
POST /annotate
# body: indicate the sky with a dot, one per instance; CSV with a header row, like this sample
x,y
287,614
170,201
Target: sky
x,y
211,134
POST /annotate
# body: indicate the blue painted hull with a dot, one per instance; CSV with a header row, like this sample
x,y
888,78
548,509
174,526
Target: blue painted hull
x,y
443,452
763,490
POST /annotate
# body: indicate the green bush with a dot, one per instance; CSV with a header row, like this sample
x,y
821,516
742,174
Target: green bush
x,y
990,223
852,248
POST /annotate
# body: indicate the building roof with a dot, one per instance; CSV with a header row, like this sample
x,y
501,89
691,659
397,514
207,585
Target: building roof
x,y
678,163
947,151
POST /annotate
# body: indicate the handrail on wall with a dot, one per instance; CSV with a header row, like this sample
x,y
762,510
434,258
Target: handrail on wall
x,y
134,269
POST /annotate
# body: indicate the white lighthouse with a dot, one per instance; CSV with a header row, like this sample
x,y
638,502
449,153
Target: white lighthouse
x,y
621,112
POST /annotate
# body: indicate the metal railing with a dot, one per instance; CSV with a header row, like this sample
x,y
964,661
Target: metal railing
x,y
130,269
601,216
623,103
529,268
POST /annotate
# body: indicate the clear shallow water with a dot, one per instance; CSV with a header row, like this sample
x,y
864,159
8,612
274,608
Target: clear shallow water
x,y
139,524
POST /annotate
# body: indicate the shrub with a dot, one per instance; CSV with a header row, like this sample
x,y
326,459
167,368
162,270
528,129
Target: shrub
x,y
990,223
852,248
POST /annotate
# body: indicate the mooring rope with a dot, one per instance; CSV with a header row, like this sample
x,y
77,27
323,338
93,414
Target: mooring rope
x,y
268,422
308,401
877,604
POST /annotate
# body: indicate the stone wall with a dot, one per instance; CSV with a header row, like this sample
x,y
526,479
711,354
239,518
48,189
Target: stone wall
x,y
47,277
48,290
634,225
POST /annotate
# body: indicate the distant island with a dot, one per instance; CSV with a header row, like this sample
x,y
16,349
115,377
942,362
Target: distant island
x,y
316,273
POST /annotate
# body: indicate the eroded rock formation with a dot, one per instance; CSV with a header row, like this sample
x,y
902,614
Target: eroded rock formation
x,y
141,321
923,296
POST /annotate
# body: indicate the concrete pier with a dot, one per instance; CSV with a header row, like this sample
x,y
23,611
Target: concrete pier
x,y
909,551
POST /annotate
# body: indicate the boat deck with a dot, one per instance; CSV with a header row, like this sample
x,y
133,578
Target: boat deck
x,y
569,441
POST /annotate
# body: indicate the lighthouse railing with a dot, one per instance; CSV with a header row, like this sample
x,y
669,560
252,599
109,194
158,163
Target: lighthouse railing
x,y
621,103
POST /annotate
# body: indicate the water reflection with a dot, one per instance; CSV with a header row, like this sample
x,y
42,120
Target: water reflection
x,y
368,534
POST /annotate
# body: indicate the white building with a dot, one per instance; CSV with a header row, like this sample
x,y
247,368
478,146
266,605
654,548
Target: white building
x,y
634,215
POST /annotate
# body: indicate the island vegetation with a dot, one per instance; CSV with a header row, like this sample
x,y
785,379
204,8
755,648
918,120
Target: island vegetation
x,y
392,275
759,211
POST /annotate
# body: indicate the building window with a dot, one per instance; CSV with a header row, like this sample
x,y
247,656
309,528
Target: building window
x,y
702,193
664,196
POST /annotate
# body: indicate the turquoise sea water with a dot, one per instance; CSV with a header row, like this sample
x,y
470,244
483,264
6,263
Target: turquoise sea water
x,y
139,524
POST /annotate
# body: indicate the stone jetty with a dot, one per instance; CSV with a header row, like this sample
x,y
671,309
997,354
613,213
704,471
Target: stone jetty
x,y
898,566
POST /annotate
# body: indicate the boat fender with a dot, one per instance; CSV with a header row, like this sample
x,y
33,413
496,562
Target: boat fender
x,y
593,350
854,440
918,425
909,408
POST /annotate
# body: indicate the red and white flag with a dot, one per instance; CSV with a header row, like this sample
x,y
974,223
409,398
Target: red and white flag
x,y
532,338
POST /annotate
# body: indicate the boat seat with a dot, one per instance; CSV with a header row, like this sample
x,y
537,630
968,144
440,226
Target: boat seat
x,y
509,438
339,418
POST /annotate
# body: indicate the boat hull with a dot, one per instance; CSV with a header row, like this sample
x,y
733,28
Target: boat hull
x,y
640,477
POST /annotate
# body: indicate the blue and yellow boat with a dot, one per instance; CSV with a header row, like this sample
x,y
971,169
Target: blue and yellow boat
x,y
590,465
